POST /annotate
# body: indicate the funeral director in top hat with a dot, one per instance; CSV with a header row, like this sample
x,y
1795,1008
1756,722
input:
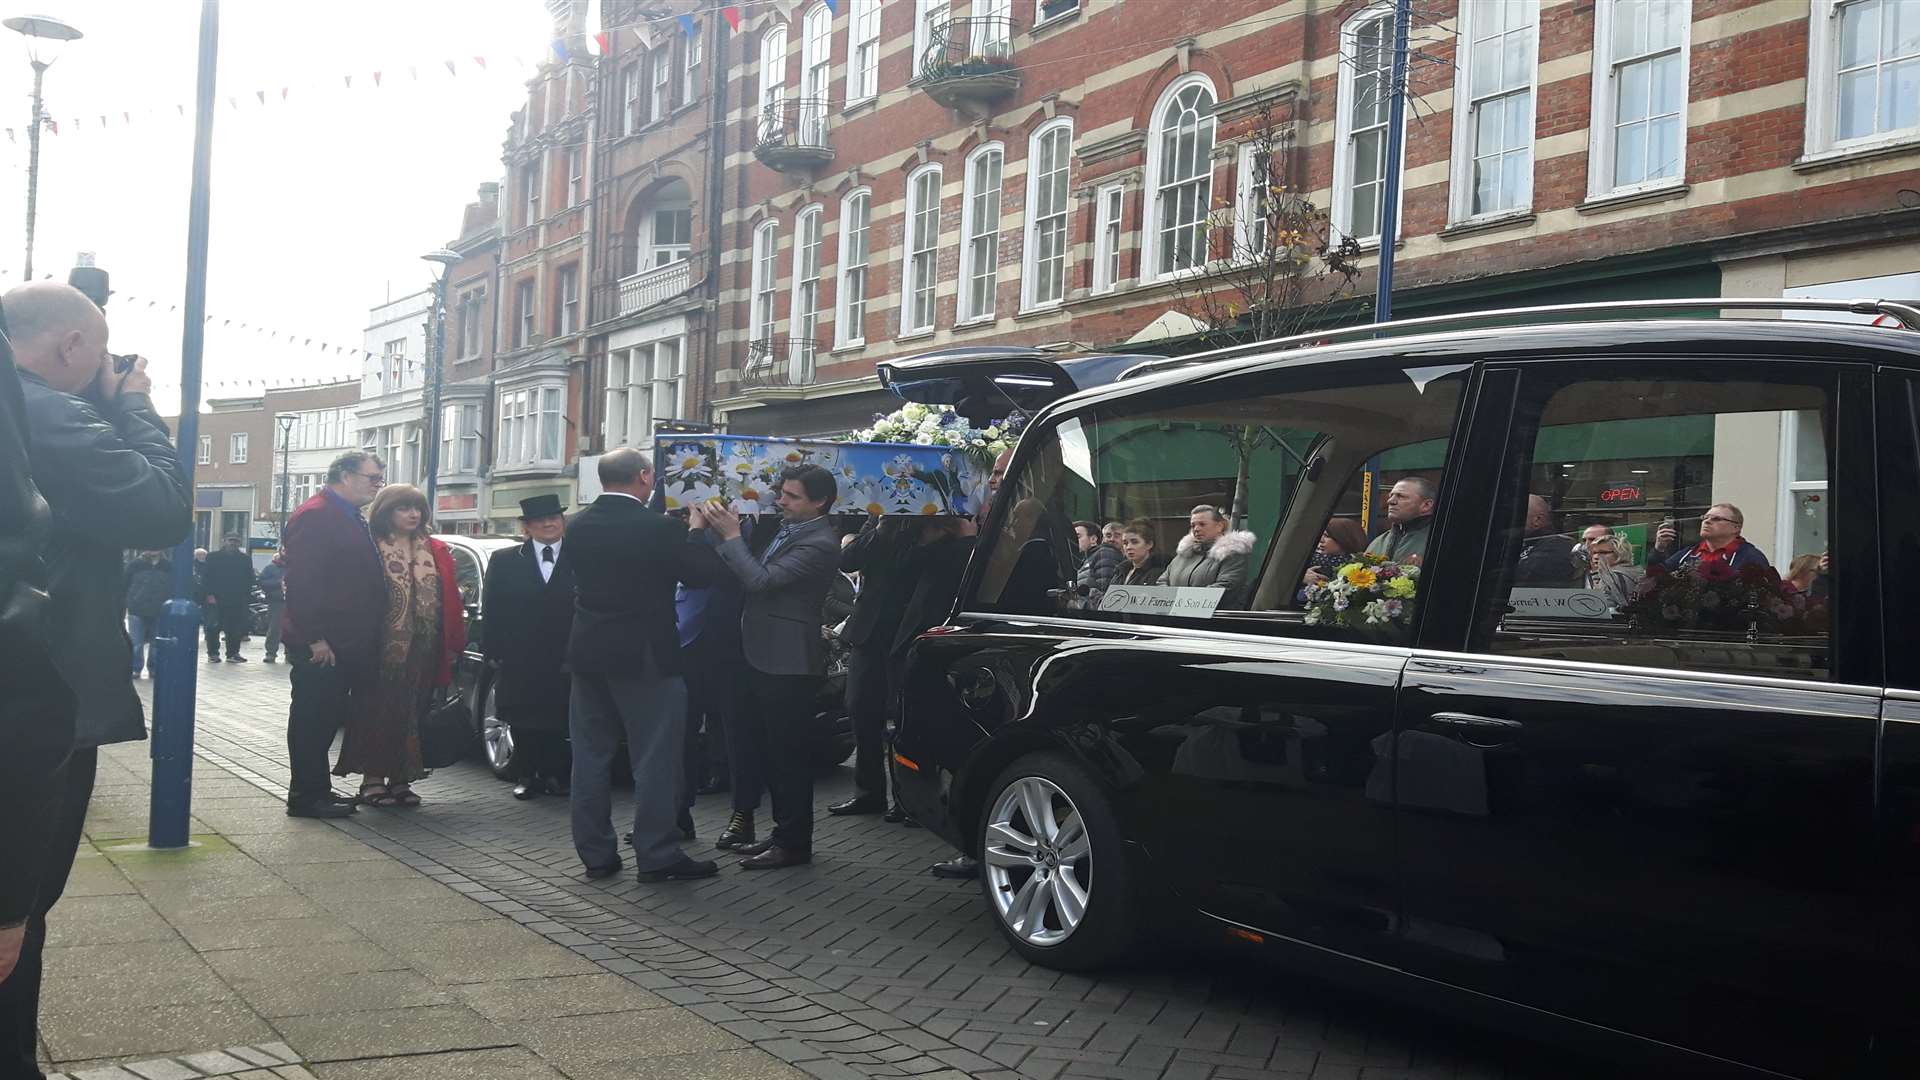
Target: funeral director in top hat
x,y
529,614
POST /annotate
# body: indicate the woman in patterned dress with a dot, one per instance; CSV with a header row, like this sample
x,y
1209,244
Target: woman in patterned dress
x,y
424,630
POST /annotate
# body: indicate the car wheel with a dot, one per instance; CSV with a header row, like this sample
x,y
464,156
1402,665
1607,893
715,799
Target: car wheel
x,y
1053,867
496,738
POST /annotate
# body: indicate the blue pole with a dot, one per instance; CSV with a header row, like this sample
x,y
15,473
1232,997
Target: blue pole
x,y
177,674
1396,147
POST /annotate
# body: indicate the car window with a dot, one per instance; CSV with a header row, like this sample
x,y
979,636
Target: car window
x,y
466,574
1664,522
1220,497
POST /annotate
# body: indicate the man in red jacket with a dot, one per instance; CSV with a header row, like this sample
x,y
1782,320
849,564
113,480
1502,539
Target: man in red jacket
x,y
336,597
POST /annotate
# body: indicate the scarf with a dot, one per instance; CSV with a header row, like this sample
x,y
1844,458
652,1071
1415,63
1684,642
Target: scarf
x,y
413,598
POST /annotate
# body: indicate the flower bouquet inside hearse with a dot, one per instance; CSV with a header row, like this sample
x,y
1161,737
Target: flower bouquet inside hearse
x,y
920,460
1714,598
1368,593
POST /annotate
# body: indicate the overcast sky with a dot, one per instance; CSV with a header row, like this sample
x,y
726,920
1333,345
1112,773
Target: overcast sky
x,y
322,202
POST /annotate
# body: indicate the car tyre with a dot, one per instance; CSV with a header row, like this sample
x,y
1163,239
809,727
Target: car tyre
x,y
1041,882
496,737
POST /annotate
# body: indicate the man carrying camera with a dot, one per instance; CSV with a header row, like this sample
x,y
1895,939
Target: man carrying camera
x,y
106,465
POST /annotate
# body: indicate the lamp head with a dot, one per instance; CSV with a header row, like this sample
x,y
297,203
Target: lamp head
x,y
44,33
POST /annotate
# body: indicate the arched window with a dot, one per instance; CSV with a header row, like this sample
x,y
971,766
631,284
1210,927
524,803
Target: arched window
x,y
816,74
850,321
661,227
766,242
1049,159
773,78
805,316
1180,177
980,232
923,250
1360,130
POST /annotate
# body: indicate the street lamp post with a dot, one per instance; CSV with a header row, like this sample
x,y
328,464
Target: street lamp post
x,y
436,370
44,36
285,420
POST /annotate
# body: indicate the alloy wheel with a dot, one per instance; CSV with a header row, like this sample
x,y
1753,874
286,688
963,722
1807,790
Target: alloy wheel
x,y
496,736
1038,861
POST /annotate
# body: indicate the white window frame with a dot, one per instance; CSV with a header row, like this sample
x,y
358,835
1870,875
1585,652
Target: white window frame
x,y
773,81
1606,99
533,177
568,291
980,232
523,313
926,13
659,254
1249,213
660,95
696,56
576,177
237,448
1791,484
1041,18
1110,207
989,37
1031,273
1460,186
856,256
763,320
639,379
816,73
863,51
1149,225
1343,128
630,94
205,455
1823,90
803,311
393,366
921,253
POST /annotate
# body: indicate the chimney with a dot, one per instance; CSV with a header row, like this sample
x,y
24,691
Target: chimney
x,y
569,19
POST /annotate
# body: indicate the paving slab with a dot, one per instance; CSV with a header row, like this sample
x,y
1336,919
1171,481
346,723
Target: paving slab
x,y
575,1041
94,1032
303,961
256,933
509,1064
363,991
706,1065
570,995
423,1030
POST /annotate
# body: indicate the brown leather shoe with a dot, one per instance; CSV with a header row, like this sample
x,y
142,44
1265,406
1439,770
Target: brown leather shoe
x,y
776,858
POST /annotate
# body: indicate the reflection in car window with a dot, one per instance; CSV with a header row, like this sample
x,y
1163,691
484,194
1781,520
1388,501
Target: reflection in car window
x,y
1652,525
1215,505
466,575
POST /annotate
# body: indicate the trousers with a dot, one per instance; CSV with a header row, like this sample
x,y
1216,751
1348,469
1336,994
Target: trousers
x,y
777,713
20,994
322,697
867,705
650,710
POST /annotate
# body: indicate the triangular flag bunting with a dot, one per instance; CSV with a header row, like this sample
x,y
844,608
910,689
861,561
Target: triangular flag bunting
x,y
349,79
833,6
560,50
283,92
604,40
732,15
480,62
376,78
450,70
53,125
262,95
413,71
686,23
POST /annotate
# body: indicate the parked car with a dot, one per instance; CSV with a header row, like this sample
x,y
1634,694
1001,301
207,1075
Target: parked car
x,y
1685,828
473,679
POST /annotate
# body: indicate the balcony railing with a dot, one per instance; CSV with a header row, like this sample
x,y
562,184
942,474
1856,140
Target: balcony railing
x,y
649,287
790,134
773,363
970,61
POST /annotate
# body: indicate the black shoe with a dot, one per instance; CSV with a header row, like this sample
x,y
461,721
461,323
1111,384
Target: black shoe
x,y
329,806
559,789
739,832
684,870
597,872
213,659
751,850
525,790
776,857
271,659
684,819
859,804
894,815
714,786
964,867
236,658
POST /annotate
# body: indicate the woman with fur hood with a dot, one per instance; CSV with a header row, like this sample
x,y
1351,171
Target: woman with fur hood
x,y
1212,556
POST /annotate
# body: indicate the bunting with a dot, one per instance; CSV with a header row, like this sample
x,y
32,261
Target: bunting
x,y
732,15
833,6
604,40
560,50
686,23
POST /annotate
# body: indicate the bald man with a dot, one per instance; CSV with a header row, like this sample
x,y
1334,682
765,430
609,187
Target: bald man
x,y
106,464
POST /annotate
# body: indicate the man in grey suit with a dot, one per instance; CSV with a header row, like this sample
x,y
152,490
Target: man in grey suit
x,y
624,653
785,585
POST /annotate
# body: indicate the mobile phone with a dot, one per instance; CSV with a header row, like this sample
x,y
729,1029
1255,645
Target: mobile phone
x,y
123,362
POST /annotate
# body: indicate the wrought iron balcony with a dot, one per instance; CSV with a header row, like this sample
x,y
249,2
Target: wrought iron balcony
x,y
775,363
970,62
790,134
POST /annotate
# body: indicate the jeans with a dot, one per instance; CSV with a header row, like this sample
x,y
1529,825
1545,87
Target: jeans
x,y
776,712
273,627
651,711
140,632
20,994
321,698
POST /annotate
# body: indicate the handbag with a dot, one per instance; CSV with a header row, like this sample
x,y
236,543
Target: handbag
x,y
446,732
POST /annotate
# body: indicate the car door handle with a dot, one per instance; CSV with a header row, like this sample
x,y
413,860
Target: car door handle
x,y
1479,732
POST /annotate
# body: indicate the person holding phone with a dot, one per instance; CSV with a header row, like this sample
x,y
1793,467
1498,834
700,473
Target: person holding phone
x,y
106,464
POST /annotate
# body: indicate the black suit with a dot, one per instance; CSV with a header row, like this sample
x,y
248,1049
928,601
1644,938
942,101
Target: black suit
x,y
624,653
879,554
528,622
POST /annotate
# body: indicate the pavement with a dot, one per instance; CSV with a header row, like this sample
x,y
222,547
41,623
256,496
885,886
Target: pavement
x,y
460,941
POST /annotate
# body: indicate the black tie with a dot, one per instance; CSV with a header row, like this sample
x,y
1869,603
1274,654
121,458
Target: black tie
x,y
546,553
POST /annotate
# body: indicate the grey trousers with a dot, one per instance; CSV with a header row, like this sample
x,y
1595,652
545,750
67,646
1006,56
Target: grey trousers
x,y
651,712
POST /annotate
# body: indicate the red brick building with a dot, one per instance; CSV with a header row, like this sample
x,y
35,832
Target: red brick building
x,y
928,173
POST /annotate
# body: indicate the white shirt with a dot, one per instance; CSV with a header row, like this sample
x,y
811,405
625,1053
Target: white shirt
x,y
540,558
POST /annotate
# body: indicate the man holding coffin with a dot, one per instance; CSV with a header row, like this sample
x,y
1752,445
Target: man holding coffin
x,y
528,599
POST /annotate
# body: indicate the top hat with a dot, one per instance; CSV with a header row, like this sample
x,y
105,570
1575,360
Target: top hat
x,y
540,506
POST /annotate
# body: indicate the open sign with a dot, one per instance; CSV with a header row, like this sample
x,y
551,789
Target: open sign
x,y
1623,493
